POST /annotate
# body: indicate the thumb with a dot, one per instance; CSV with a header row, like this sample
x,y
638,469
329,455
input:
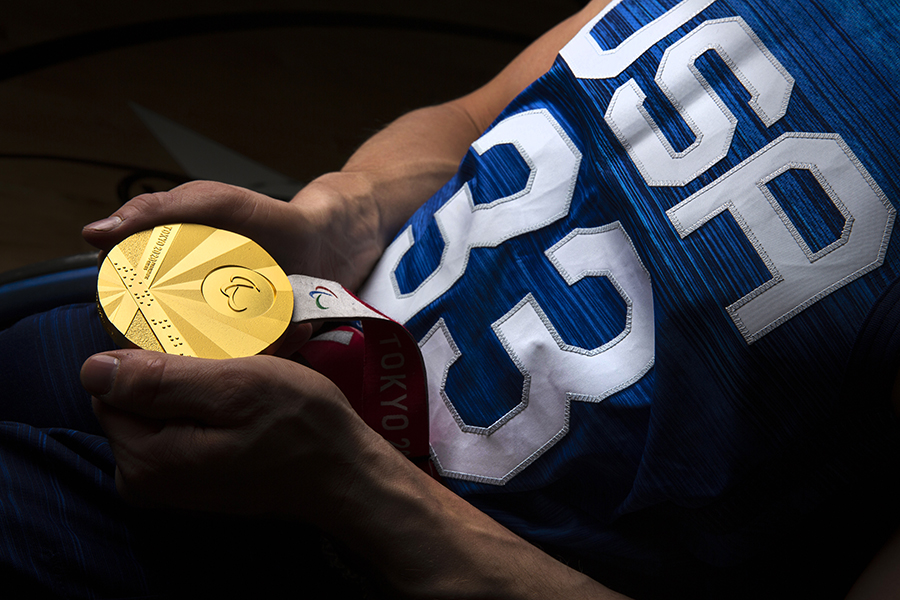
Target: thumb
x,y
153,385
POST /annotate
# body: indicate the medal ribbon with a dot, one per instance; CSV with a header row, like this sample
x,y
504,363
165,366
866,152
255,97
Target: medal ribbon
x,y
378,367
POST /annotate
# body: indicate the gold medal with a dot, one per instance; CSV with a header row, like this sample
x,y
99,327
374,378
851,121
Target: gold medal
x,y
193,290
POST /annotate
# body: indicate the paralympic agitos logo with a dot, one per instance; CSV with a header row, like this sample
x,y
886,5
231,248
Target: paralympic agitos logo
x,y
320,292
237,282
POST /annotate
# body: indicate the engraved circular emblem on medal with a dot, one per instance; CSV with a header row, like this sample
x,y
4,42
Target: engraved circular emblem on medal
x,y
238,292
193,290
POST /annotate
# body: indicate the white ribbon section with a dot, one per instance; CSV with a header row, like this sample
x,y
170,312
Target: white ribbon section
x,y
316,299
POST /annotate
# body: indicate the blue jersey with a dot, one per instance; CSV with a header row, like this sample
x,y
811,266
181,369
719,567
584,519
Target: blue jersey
x,y
642,300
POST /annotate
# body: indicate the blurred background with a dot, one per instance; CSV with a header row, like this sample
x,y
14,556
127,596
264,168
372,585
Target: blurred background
x,y
101,100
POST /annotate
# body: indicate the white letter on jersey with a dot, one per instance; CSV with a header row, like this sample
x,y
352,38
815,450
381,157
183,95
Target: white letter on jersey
x,y
555,373
589,61
799,277
698,104
554,161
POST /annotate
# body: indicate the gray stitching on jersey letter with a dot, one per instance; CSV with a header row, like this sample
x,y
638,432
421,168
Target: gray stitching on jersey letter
x,y
411,239
584,36
554,333
571,279
673,74
835,200
465,427
767,120
442,327
532,173
873,185
517,469
496,242
755,94
776,278
620,135
679,107
624,140
527,328
684,231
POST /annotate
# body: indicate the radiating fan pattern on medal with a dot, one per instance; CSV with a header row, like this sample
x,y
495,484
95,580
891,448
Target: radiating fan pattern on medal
x,y
194,290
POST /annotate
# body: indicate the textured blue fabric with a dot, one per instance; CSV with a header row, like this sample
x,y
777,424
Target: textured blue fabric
x,y
725,453
60,517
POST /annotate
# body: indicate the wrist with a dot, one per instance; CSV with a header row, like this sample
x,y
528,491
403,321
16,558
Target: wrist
x,y
426,542
420,539
340,207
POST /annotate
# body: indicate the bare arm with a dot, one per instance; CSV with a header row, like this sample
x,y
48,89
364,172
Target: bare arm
x,y
881,579
403,165
429,543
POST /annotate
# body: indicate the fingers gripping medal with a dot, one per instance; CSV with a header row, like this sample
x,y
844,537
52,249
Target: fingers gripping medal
x,y
198,291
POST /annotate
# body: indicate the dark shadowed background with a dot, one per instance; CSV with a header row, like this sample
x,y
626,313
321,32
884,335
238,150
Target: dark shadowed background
x,y
102,100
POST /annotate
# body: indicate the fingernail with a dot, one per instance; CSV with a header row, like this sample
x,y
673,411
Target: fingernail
x,y
98,373
107,224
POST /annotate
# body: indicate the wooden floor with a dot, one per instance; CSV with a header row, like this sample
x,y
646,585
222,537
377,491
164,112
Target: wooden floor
x,y
100,101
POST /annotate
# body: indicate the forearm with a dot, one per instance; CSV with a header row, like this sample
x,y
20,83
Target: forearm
x,y
429,543
411,159
399,168
395,171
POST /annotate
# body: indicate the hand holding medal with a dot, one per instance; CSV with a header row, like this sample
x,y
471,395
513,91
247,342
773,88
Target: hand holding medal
x,y
198,291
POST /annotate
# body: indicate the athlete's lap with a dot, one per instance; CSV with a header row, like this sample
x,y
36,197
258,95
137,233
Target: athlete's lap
x,y
40,362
